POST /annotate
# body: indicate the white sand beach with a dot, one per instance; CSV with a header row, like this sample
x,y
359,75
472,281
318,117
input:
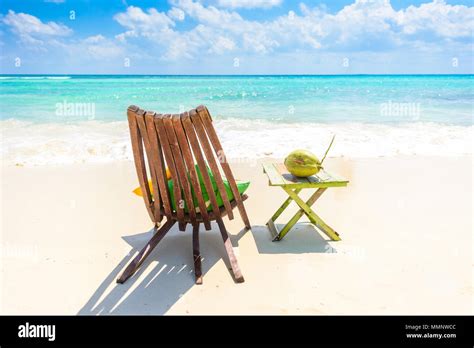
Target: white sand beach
x,y
406,226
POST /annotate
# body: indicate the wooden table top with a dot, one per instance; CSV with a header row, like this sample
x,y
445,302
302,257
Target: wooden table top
x,y
278,175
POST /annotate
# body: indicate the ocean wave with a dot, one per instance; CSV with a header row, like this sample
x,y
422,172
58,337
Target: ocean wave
x,y
29,143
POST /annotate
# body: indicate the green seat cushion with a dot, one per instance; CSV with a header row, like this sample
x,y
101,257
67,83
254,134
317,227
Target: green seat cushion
x,y
242,186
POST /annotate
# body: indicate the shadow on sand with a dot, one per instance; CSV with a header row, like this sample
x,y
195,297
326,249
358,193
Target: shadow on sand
x,y
302,238
170,268
170,273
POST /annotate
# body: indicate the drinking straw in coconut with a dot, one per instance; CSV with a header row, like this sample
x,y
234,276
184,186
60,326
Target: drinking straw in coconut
x,y
329,147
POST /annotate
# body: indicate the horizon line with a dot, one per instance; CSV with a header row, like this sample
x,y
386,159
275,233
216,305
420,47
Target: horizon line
x,y
227,75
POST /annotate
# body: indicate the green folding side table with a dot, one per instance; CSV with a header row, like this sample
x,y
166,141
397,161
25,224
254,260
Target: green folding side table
x,y
278,175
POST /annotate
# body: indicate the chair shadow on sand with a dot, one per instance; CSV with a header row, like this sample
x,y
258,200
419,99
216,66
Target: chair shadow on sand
x,y
172,272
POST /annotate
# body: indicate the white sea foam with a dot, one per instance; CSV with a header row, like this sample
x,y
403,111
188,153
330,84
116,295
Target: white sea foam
x,y
53,143
93,141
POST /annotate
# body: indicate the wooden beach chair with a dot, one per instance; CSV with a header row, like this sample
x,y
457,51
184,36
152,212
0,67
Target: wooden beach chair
x,y
182,143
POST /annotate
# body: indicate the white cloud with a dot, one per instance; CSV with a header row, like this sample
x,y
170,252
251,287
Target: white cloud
x,y
363,26
176,14
208,14
146,22
249,3
222,44
450,21
32,32
153,25
106,50
96,47
366,19
94,39
218,31
43,37
24,24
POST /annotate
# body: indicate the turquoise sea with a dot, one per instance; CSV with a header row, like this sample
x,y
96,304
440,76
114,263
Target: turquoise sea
x,y
82,118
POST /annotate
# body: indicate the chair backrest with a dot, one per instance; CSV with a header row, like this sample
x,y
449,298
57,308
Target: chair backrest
x,y
179,142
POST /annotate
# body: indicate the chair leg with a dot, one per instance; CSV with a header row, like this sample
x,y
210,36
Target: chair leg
x,y
197,255
143,254
230,252
243,215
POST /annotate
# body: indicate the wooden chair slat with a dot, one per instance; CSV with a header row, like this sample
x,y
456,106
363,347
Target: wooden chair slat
x,y
196,120
180,165
193,140
151,164
158,163
211,132
165,143
137,148
191,169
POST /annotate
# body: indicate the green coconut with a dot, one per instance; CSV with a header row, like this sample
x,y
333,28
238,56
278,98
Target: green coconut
x,y
304,163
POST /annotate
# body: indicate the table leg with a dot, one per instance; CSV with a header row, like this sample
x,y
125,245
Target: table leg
x,y
313,217
271,223
284,206
314,197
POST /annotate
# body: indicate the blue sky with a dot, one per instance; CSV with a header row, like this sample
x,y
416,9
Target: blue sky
x,y
235,37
